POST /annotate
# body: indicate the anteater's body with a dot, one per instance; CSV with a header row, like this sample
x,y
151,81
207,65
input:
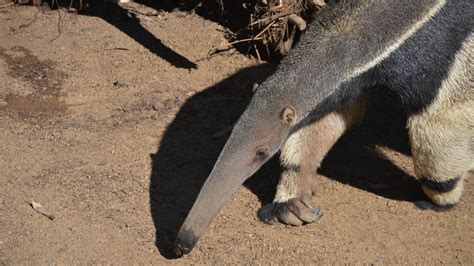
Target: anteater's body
x,y
422,51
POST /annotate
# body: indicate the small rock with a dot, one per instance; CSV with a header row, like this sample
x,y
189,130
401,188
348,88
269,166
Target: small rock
x,y
120,84
191,93
168,103
3,103
156,106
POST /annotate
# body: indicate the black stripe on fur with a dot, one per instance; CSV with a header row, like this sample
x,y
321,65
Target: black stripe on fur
x,y
291,168
443,186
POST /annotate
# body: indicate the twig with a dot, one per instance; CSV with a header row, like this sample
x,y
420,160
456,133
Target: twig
x,y
193,10
221,5
117,48
244,40
280,4
272,18
285,46
227,46
30,22
267,50
265,29
256,52
59,27
152,13
7,5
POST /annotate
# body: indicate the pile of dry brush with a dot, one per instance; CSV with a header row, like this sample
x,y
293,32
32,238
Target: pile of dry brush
x,y
272,25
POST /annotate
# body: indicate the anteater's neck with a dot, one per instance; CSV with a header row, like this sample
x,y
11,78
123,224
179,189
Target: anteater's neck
x,y
334,57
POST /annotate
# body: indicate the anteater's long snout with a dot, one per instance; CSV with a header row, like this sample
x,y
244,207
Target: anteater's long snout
x,y
231,170
252,143
217,190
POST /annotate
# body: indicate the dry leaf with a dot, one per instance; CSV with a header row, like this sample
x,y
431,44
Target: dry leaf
x,y
40,209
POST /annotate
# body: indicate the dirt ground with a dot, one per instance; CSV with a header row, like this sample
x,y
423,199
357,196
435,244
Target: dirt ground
x,y
112,122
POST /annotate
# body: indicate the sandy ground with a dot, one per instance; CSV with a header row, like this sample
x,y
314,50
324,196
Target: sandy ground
x,y
114,122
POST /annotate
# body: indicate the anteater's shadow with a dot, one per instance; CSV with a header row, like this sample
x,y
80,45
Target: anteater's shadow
x,y
191,143
189,147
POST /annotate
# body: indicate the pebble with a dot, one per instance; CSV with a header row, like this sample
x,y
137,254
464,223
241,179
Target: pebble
x,y
168,103
3,103
120,84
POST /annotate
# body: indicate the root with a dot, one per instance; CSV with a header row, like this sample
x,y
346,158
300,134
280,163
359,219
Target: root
x,y
298,21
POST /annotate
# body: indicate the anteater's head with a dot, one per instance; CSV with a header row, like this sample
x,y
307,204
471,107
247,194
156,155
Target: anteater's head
x,y
256,137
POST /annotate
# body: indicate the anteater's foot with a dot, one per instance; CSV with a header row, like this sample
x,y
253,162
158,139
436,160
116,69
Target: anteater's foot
x,y
293,212
429,205
440,195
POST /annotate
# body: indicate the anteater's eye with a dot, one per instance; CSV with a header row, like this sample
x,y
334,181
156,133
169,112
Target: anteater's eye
x,y
262,153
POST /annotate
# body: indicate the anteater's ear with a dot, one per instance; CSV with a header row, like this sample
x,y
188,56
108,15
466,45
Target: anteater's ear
x,y
288,115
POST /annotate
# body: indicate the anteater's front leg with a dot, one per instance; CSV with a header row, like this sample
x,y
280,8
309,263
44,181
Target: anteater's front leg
x,y
301,156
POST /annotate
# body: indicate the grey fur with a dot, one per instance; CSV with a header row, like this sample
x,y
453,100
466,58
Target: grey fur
x,y
333,49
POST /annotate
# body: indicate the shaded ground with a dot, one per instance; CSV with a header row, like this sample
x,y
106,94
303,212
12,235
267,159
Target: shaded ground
x,y
115,135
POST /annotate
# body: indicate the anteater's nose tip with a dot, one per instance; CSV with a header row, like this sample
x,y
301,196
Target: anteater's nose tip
x,y
185,242
180,249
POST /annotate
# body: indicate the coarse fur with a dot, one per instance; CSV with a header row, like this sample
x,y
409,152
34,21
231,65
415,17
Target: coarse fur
x,y
442,135
331,65
303,151
439,100
419,50
301,154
